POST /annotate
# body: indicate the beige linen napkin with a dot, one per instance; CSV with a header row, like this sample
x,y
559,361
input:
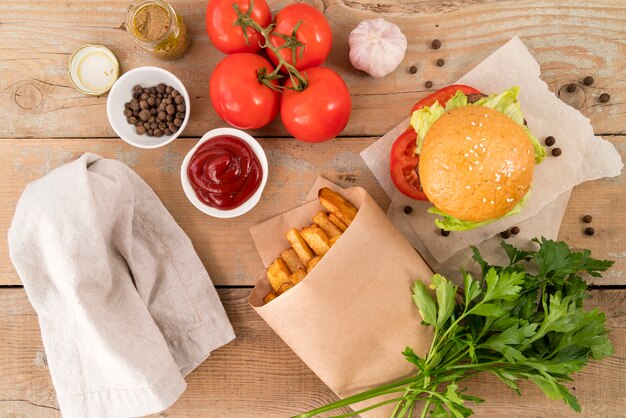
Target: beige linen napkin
x,y
125,306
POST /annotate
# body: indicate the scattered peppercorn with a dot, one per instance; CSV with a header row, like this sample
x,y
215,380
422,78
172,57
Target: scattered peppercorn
x,y
505,234
435,44
590,231
413,69
428,84
444,233
550,141
587,219
571,88
604,97
155,111
515,230
441,62
408,209
556,152
587,81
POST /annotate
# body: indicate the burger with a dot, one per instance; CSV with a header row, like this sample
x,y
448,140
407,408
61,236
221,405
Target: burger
x,y
471,155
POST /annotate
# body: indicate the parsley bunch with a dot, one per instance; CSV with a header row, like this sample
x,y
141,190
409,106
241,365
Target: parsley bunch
x,y
512,323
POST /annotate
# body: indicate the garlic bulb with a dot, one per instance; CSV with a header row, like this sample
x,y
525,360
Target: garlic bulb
x,y
377,47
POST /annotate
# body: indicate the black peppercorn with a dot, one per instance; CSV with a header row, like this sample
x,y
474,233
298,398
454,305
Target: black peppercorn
x,y
428,84
556,152
590,231
441,62
444,233
571,88
515,230
604,97
587,219
435,44
550,141
587,81
412,70
505,234
408,209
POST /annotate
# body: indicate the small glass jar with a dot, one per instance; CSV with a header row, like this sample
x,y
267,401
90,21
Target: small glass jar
x,y
156,27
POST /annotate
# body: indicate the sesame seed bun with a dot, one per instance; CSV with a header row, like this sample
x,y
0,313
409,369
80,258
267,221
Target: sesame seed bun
x,y
476,164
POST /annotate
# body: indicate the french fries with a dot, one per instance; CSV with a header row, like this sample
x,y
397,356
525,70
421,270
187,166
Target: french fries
x,y
278,275
269,297
337,222
292,260
299,245
317,240
312,263
309,244
298,275
337,205
329,228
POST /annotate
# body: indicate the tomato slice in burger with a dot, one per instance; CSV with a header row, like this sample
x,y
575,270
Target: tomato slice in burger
x,y
403,162
443,95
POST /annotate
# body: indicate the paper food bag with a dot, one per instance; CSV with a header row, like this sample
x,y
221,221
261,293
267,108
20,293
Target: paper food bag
x,y
352,315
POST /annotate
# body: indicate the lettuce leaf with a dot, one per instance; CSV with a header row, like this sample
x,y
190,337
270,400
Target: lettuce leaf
x,y
450,223
505,102
422,120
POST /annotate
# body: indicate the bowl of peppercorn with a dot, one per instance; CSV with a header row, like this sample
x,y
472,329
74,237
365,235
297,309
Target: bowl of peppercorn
x,y
148,107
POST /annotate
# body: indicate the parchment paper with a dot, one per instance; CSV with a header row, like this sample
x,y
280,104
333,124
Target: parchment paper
x,y
585,157
352,315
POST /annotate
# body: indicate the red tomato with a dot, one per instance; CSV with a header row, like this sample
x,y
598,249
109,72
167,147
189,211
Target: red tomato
x,y
237,94
228,38
443,95
403,162
319,112
314,32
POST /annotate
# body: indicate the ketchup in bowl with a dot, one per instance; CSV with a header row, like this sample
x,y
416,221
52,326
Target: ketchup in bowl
x,y
224,172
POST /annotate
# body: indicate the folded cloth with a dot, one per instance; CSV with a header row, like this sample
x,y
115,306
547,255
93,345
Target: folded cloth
x,y
125,306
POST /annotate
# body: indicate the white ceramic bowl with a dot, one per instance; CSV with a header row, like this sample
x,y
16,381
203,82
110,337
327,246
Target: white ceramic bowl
x,y
247,205
122,92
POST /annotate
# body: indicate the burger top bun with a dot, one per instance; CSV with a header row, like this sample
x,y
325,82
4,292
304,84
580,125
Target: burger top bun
x,y
476,163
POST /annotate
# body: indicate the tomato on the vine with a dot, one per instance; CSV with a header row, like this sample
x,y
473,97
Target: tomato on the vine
x,y
229,37
238,95
403,162
320,111
312,30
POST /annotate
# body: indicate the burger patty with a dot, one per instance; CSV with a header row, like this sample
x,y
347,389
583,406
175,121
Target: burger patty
x,y
474,97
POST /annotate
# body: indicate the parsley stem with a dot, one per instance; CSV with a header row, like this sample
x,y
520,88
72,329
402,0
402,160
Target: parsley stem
x,y
378,391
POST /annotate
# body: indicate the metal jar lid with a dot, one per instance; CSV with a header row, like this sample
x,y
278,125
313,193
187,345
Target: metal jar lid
x,y
93,69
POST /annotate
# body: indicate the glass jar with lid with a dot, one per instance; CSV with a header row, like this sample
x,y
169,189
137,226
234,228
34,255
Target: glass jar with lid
x,y
156,27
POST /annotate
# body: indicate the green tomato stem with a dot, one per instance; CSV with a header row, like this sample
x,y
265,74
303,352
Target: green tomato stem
x,y
245,20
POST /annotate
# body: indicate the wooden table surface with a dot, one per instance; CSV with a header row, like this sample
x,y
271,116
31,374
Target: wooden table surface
x,y
44,122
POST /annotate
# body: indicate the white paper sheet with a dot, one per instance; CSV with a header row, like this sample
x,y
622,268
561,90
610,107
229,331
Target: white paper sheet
x,y
585,157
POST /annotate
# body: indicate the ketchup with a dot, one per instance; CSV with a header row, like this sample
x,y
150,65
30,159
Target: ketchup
x,y
224,172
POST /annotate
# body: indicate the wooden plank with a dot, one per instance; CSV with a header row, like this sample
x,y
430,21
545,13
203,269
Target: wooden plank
x,y
294,167
259,376
570,40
